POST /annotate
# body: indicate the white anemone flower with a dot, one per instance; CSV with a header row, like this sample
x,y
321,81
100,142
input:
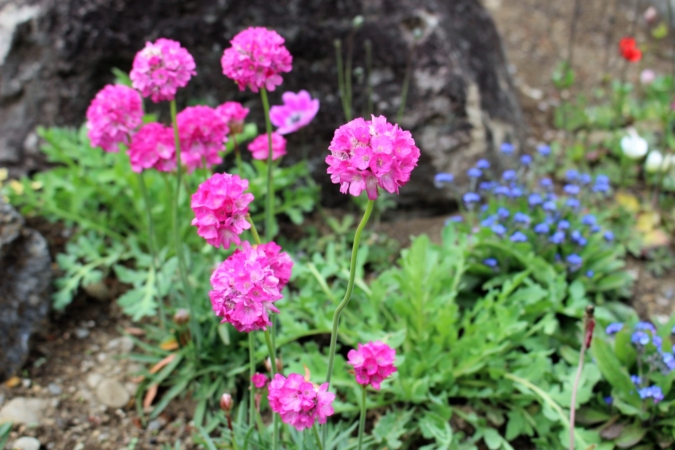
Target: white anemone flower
x,y
633,145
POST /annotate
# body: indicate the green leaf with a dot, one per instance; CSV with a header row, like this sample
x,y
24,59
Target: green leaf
x,y
492,438
391,427
630,435
614,372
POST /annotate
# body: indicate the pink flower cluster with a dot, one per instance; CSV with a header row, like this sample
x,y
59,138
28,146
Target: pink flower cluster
x,y
234,114
373,362
161,68
299,402
153,147
256,59
297,111
371,154
245,286
259,380
260,147
220,206
113,116
202,133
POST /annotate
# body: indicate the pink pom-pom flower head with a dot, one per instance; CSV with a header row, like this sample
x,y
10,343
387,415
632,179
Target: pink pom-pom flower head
x,y
220,206
234,114
256,59
260,147
153,147
372,362
245,286
202,133
113,116
259,380
299,402
161,68
367,155
297,111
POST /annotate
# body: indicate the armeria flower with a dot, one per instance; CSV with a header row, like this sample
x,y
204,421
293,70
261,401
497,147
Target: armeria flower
x,y
234,114
443,178
260,149
113,116
647,76
634,146
220,206
297,111
372,362
259,380
653,392
256,59
629,50
161,68
299,402
367,155
280,262
153,147
244,289
614,328
202,133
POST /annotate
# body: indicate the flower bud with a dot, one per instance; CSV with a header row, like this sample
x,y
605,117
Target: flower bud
x,y
357,22
181,317
226,402
236,127
280,364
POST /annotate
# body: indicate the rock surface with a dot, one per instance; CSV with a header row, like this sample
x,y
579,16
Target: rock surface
x,y
460,106
26,443
28,411
24,287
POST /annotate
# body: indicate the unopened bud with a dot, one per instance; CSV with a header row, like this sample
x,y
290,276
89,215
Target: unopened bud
x,y
357,22
280,364
181,317
236,127
226,402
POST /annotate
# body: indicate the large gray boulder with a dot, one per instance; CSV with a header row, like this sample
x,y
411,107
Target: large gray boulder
x,y
461,103
25,277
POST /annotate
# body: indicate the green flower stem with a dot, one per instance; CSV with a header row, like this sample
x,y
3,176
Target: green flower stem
x,y
362,419
315,429
251,363
254,230
341,80
151,246
182,267
273,365
237,156
269,203
350,288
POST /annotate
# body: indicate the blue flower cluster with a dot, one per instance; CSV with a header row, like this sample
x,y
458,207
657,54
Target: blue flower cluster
x,y
642,334
555,224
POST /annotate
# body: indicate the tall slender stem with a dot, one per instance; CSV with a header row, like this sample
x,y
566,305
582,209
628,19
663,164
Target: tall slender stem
x,y
362,418
273,364
341,80
237,156
348,71
315,429
182,267
269,203
369,71
348,293
406,85
575,387
151,246
251,397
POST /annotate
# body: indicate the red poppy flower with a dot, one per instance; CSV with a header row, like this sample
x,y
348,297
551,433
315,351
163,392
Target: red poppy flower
x,y
629,49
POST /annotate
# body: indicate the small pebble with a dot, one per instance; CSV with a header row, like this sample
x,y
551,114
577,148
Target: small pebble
x,y
54,388
26,443
26,383
81,333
